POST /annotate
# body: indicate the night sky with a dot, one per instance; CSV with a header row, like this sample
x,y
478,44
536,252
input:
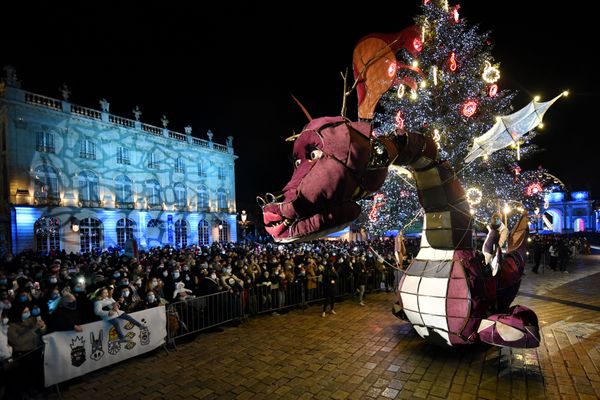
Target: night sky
x,y
232,69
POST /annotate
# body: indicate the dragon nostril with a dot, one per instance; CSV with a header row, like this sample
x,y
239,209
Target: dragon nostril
x,y
261,202
276,197
270,197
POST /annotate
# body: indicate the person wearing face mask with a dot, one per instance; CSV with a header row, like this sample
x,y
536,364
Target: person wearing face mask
x,y
5,349
66,317
24,332
153,300
5,303
209,284
109,310
125,299
25,336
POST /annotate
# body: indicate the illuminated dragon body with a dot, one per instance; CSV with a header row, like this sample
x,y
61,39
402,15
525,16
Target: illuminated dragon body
x,y
447,293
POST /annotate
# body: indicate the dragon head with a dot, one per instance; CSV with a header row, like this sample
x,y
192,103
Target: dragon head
x,y
335,163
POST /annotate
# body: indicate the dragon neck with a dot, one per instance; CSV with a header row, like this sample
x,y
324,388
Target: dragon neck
x,y
448,222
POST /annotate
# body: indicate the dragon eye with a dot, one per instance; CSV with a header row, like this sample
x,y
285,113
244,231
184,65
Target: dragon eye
x,y
297,163
316,154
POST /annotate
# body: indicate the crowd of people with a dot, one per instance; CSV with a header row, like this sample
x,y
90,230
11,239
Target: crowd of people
x,y
43,293
557,250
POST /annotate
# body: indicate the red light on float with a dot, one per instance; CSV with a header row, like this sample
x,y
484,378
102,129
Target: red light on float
x,y
392,68
469,108
493,90
399,120
452,62
417,44
425,2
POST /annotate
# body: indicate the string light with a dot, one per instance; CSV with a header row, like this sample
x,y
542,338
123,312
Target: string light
x,y
437,137
491,73
474,196
401,90
440,104
452,62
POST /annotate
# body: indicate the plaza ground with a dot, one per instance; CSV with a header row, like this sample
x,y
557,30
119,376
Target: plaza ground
x,y
365,352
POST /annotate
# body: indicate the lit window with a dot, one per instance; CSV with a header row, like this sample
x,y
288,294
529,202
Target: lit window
x,y
45,142
179,165
87,149
123,156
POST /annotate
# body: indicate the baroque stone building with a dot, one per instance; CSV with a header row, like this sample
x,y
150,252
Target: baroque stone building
x,y
79,179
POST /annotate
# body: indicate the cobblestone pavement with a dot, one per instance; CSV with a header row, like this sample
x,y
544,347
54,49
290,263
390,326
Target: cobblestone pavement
x,y
364,352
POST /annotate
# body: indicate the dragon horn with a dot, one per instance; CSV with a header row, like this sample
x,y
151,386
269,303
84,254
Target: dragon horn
x,y
302,107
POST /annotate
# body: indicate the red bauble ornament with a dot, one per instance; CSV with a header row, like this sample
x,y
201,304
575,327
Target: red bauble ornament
x,y
469,108
493,90
534,188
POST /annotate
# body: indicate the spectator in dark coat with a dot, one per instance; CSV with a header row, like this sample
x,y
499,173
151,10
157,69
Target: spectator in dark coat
x,y
67,316
330,280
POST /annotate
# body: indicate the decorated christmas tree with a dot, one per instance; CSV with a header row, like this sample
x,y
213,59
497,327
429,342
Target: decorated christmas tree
x,y
447,87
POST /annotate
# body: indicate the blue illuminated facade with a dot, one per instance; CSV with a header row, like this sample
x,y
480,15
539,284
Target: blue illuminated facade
x,y
78,179
562,215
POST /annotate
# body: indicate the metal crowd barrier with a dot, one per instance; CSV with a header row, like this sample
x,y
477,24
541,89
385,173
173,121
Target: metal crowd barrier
x,y
188,317
192,316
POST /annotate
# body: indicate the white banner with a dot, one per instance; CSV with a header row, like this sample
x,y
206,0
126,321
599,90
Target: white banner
x,y
71,354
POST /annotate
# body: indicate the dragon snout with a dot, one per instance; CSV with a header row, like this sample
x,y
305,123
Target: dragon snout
x,y
270,198
276,197
261,201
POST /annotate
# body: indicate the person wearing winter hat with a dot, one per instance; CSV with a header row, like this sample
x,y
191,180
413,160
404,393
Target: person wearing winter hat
x,y
181,293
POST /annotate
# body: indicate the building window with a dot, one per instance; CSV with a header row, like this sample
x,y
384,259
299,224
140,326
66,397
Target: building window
x,y
179,165
201,170
88,189
223,232
153,162
47,235
125,229
221,172
181,233
222,200
123,192
154,232
123,156
45,142
90,234
87,149
203,233
180,196
153,193
202,198
46,185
